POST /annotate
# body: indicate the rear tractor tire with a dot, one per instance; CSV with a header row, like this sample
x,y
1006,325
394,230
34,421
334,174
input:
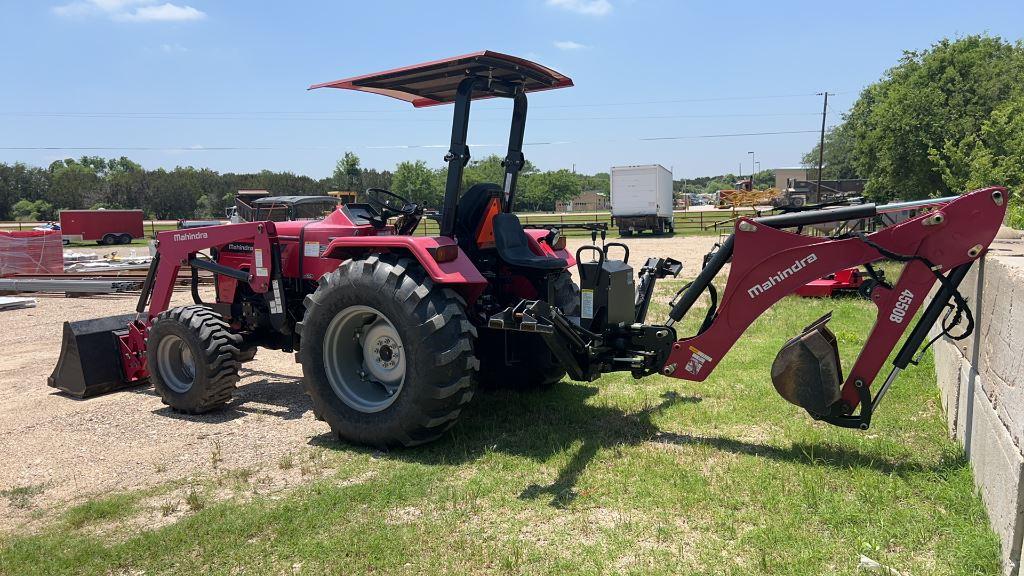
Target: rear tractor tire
x,y
387,357
533,365
193,359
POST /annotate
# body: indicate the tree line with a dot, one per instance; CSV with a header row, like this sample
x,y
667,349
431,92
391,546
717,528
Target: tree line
x,y
940,122
33,193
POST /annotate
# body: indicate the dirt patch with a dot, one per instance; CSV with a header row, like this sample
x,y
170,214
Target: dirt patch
x,y
77,449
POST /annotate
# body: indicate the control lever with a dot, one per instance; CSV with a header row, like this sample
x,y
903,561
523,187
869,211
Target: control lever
x,y
652,271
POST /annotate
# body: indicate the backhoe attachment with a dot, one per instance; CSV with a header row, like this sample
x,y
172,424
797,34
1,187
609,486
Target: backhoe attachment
x,y
766,263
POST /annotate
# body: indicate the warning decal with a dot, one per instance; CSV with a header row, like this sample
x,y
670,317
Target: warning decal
x,y
586,303
696,361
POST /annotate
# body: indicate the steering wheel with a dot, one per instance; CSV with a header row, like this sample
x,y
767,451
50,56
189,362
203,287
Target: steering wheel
x,y
390,204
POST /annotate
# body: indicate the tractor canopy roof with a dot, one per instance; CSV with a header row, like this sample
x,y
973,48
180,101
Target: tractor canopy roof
x,y
294,200
433,83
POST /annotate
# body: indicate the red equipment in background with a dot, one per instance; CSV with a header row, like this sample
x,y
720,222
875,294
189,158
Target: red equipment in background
x,y
847,280
102,226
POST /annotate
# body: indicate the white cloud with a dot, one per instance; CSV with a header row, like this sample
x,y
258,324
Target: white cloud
x,y
589,7
163,13
173,48
569,45
129,10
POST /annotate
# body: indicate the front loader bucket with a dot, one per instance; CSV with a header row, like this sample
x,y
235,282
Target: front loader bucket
x,y
90,357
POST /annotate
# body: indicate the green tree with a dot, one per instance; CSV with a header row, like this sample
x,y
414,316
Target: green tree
x,y
417,183
170,194
348,174
838,158
993,156
29,211
600,182
21,182
764,179
909,133
24,211
73,185
125,183
543,189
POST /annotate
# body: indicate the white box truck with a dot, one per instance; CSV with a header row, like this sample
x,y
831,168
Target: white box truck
x,y
641,199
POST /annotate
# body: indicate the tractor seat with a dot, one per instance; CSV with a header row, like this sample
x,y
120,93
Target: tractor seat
x,y
514,249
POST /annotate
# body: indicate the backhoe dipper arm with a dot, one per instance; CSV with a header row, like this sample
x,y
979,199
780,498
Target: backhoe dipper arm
x,y
176,247
768,263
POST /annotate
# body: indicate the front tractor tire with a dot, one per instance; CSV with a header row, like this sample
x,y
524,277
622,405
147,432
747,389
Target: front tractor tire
x,y
387,357
193,359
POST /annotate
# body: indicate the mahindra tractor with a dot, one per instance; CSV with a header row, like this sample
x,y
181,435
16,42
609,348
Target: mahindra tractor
x,y
394,330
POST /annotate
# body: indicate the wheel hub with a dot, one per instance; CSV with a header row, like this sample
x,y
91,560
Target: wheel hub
x,y
363,359
176,364
382,352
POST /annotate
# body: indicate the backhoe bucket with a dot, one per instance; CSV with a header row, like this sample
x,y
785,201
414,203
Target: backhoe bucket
x,y
806,372
90,357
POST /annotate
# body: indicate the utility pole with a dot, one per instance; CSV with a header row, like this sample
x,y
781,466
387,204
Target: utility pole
x,y
821,143
752,170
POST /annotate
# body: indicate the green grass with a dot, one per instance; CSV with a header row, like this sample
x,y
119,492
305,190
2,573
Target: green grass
x,y
21,496
656,476
100,510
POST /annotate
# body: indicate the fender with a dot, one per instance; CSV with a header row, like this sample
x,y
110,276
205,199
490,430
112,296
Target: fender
x,y
534,237
459,273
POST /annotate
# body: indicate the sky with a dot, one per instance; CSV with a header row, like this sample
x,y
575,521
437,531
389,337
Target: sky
x,y
695,86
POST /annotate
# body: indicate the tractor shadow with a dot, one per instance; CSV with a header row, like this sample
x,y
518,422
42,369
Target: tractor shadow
x,y
540,425
272,394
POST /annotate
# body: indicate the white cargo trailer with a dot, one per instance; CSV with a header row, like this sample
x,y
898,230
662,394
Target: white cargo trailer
x,y
642,199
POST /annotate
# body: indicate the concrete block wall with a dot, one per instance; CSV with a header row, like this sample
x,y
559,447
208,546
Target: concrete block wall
x,y
981,380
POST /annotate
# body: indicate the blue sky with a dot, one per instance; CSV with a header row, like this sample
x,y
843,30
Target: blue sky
x,y
177,77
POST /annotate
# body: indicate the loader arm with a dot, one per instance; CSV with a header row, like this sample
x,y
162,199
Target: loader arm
x,y
178,247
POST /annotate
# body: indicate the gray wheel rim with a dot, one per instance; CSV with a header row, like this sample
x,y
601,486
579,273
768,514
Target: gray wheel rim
x,y
364,359
175,364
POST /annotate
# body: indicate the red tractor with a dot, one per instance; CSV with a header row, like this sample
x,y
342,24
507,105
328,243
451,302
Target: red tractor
x,y
394,330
